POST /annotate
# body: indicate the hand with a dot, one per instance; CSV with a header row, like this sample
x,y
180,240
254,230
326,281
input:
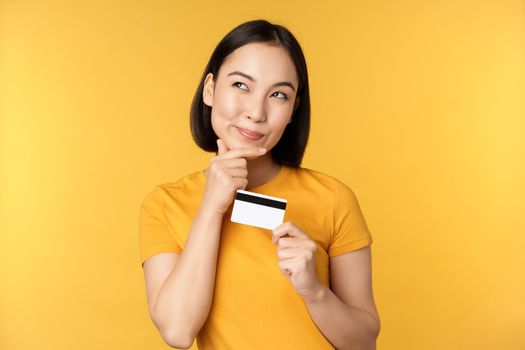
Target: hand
x,y
296,252
226,174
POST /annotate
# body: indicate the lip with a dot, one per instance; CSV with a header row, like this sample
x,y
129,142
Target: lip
x,y
251,135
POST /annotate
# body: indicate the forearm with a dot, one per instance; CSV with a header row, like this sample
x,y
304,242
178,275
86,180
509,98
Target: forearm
x,y
184,301
344,326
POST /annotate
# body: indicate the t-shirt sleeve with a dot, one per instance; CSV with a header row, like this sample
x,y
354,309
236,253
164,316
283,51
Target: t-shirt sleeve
x,y
350,229
154,234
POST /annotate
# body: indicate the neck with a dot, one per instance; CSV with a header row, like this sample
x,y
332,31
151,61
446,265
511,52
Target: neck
x,y
261,170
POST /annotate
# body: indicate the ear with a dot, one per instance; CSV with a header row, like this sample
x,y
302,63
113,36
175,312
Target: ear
x,y
207,91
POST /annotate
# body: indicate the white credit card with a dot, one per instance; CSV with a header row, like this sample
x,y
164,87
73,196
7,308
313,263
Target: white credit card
x,y
258,210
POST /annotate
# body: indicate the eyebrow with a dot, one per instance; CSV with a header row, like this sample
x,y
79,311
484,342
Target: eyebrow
x,y
281,83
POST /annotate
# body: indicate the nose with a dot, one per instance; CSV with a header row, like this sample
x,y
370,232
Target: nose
x,y
258,111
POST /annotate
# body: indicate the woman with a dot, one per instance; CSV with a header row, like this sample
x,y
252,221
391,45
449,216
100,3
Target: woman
x,y
304,285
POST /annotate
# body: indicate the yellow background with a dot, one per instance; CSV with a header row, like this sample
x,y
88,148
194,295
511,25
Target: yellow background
x,y
418,106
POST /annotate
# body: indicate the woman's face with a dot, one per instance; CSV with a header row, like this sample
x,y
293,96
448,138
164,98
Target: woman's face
x,y
253,96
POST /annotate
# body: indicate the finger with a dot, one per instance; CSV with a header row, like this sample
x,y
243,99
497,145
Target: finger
x,y
235,163
285,271
240,183
292,243
290,253
288,242
285,267
250,152
307,246
290,266
290,229
237,172
221,146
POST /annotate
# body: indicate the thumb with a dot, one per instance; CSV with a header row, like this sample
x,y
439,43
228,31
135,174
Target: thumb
x,y
222,148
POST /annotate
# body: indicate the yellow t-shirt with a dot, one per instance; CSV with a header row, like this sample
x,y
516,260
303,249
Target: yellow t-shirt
x,y
254,305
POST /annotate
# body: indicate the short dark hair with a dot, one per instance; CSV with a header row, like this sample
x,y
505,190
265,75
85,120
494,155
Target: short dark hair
x,y
290,148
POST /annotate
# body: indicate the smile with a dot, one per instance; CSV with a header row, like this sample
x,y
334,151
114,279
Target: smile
x,y
249,134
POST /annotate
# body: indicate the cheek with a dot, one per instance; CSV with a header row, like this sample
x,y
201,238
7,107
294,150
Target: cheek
x,y
228,105
280,117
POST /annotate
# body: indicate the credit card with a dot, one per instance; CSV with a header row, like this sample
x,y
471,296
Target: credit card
x,y
258,210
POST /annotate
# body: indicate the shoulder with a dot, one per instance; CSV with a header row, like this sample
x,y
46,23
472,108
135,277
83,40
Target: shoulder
x,y
163,192
321,179
326,188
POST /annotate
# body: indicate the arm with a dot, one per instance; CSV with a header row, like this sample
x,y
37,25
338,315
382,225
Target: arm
x,y
180,286
347,316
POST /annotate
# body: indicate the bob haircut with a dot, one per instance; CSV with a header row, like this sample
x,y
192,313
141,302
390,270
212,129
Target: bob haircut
x,y
290,149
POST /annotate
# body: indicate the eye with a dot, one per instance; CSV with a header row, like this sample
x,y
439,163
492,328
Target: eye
x,y
238,82
285,97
